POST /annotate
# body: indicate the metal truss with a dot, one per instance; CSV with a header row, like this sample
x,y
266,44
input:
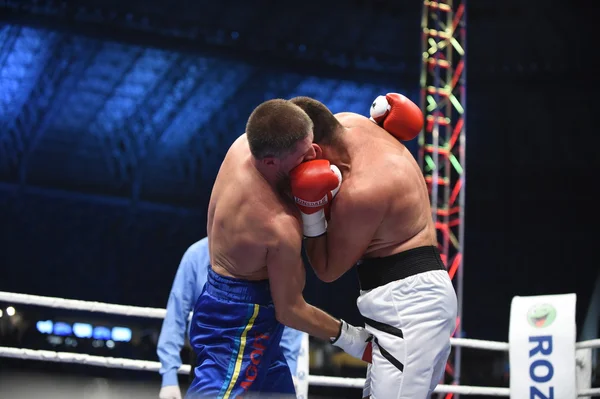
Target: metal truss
x,y
442,141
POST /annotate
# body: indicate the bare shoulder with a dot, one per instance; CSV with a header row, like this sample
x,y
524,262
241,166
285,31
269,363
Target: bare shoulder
x,y
285,240
351,119
241,141
239,145
285,229
362,195
342,115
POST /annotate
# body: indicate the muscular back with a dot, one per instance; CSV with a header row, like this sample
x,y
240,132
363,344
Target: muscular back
x,y
242,213
383,168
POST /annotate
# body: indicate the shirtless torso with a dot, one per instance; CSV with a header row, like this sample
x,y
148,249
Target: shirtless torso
x,y
255,234
399,191
244,214
257,276
382,207
405,285
380,220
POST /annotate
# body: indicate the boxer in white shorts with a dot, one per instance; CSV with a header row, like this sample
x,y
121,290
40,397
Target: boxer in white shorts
x,y
381,219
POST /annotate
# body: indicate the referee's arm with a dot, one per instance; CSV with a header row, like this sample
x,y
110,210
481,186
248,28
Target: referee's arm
x,y
186,288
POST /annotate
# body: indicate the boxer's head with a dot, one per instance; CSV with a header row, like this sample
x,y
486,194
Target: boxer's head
x,y
280,136
326,126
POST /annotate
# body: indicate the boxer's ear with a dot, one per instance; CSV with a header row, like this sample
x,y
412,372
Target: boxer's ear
x,y
271,161
318,151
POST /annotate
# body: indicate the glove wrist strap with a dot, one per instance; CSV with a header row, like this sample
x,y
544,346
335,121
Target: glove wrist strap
x,y
314,224
335,339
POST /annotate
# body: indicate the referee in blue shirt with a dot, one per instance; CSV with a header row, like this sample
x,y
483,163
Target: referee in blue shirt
x,y
187,286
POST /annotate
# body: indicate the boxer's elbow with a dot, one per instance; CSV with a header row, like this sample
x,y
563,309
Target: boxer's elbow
x,y
283,318
283,313
326,275
289,315
323,272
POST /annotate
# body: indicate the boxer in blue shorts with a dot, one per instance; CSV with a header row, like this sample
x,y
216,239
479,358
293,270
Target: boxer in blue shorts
x,y
255,284
241,334
189,282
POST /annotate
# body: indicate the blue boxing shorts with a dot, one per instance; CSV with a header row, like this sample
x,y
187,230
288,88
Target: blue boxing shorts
x,y
236,336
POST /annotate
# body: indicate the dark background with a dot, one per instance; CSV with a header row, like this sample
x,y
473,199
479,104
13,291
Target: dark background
x,y
115,115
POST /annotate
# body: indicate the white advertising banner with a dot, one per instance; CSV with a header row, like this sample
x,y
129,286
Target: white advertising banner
x,y
542,337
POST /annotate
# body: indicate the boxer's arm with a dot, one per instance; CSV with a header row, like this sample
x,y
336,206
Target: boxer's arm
x,y
287,278
355,217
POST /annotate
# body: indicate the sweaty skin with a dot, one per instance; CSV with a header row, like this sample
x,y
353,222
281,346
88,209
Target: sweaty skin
x,y
382,207
255,233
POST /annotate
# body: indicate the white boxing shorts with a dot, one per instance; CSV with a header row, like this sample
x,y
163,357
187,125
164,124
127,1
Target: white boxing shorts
x,y
409,305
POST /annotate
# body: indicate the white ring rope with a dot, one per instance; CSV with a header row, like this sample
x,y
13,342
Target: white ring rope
x,y
590,344
62,303
154,313
130,364
144,365
479,344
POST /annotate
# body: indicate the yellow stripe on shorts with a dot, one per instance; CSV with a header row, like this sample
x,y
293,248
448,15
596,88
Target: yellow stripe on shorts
x,y
240,356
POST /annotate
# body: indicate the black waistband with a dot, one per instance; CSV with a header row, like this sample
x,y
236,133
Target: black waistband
x,y
375,272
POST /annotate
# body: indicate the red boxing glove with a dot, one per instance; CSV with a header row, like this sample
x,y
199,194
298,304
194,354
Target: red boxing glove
x,y
314,184
397,115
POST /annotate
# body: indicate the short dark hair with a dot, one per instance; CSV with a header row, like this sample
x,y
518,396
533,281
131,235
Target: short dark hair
x,y
325,123
275,127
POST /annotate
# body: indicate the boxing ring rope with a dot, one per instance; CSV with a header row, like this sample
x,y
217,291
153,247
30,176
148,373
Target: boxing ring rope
x,y
154,313
144,365
72,304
